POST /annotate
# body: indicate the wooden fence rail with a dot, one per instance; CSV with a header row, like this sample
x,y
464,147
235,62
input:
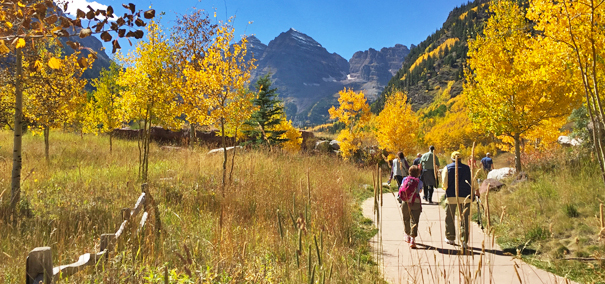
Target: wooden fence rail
x,y
39,264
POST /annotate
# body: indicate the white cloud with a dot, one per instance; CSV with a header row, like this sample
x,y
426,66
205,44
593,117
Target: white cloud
x,y
74,5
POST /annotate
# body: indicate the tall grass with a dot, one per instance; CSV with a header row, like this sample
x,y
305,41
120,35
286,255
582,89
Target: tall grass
x,y
555,216
270,227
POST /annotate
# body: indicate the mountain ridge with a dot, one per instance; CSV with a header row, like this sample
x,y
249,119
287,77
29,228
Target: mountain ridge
x,y
436,65
308,77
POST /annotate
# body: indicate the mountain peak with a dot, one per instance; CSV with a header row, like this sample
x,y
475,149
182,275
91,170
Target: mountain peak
x,y
299,37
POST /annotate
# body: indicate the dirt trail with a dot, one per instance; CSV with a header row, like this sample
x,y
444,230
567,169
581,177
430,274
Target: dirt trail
x,y
437,262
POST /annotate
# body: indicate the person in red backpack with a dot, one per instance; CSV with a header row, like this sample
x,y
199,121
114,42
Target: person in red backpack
x,y
411,205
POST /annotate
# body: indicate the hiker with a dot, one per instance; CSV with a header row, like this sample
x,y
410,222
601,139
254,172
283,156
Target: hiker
x,y
411,206
457,201
488,163
399,169
427,164
417,160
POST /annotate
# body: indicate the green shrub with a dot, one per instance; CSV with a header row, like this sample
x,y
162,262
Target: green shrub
x,y
571,211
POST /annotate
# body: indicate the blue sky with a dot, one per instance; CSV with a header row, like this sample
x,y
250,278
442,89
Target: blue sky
x,y
343,27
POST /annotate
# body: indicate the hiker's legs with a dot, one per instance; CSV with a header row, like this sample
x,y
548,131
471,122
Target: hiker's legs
x,y
450,221
425,190
405,210
416,210
464,225
429,194
399,179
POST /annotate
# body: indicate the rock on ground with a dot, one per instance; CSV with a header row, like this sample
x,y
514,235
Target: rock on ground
x,y
500,174
220,150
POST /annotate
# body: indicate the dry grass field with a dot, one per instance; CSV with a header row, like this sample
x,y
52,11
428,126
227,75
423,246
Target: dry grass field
x,y
271,226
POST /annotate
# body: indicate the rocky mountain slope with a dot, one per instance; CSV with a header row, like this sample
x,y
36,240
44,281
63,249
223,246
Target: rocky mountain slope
x,y
436,65
308,77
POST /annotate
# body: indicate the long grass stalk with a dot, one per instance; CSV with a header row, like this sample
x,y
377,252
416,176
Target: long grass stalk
x,y
310,261
281,230
317,250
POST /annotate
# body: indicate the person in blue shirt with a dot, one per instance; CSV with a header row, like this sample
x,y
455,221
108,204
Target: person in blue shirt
x,y
487,163
417,160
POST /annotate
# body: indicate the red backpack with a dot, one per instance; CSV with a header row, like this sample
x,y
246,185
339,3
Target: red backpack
x,y
408,192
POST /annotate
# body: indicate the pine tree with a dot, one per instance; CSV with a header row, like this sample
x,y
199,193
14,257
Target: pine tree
x,y
262,125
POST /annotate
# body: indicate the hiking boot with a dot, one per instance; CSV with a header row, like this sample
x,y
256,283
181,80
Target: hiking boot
x,y
407,238
412,243
451,242
464,246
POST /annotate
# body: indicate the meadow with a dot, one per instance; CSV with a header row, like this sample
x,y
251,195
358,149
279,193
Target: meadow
x,y
284,218
553,219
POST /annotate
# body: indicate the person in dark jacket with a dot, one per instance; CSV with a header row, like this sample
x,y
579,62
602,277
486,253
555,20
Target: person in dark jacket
x,y
457,201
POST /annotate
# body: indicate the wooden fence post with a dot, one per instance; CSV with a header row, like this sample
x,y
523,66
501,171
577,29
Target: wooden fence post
x,y
108,242
126,213
39,266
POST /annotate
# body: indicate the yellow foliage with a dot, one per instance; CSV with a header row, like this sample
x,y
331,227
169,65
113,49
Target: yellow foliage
x,y
293,136
353,108
397,125
440,99
446,44
321,127
349,143
3,48
463,16
20,43
55,63
105,110
544,137
53,95
222,77
518,80
148,95
354,113
454,129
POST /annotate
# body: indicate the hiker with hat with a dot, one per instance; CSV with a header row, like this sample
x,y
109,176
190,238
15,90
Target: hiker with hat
x,y
429,166
458,191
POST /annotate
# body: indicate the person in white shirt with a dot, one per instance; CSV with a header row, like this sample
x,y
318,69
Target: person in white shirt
x,y
399,169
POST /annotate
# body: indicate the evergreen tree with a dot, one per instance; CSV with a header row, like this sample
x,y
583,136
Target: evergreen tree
x,y
263,123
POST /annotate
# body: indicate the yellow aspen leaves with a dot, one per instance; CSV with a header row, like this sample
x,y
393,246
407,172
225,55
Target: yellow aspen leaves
x,y
3,48
293,136
517,80
354,113
353,108
20,43
55,63
397,125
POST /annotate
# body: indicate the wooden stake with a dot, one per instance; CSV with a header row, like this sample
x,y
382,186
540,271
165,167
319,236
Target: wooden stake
x,y
489,221
456,158
309,185
602,220
380,184
472,165
375,190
